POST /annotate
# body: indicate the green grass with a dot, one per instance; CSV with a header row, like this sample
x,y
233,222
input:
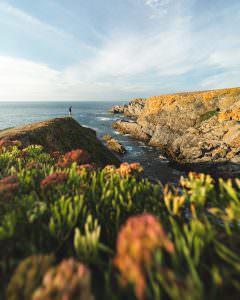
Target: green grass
x,y
207,115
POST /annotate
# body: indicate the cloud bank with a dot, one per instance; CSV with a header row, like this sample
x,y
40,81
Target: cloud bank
x,y
179,49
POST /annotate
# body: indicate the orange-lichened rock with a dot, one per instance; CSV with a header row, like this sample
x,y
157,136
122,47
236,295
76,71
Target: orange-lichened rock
x,y
190,128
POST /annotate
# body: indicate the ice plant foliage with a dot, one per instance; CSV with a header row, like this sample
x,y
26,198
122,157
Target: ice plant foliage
x,y
8,186
136,243
173,242
8,145
28,276
130,169
70,280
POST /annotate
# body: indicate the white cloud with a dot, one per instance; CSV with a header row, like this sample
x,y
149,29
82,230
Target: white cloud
x,y
159,8
23,79
39,29
125,65
30,20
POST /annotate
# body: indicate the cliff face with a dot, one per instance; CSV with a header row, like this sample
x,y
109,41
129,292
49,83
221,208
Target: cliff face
x,y
132,110
62,134
196,127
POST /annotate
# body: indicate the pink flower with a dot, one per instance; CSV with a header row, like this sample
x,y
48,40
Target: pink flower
x,y
8,186
53,179
130,169
136,242
8,145
87,167
69,280
79,156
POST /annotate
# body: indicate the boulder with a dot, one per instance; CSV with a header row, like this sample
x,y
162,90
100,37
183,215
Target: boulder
x,y
133,109
62,134
117,109
114,145
131,128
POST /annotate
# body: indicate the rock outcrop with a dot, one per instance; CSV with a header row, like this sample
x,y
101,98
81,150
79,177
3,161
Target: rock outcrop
x,y
117,109
132,110
62,134
114,145
198,128
131,128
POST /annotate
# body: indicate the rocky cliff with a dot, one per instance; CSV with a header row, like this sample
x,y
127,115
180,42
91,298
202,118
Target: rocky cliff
x,y
132,110
198,128
62,134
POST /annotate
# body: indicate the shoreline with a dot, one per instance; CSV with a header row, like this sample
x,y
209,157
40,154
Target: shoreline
x,y
197,131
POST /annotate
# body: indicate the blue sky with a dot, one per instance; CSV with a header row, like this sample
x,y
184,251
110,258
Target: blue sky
x,y
116,49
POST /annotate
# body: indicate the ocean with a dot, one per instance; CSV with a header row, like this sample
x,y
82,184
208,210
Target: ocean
x,y
96,116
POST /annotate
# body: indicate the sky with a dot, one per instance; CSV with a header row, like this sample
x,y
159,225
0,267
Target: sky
x,y
116,49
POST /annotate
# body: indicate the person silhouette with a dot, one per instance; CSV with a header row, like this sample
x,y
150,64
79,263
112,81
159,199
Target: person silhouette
x,y
70,110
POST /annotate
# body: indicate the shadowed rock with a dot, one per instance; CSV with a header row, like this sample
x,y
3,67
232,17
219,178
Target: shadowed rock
x,y
62,134
131,128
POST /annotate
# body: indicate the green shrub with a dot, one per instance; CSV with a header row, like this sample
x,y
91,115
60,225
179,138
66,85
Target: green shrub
x,y
207,115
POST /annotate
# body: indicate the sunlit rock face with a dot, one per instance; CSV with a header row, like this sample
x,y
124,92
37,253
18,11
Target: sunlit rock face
x,y
192,128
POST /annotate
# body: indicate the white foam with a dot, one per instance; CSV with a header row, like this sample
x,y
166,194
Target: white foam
x,y
103,118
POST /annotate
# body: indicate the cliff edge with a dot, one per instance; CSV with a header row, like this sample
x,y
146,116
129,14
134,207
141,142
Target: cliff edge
x,y
197,128
62,134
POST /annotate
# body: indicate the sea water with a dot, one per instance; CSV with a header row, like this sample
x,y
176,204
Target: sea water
x,y
96,116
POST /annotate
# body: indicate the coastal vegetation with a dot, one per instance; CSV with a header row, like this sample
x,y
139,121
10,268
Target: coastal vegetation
x,y
70,229
207,115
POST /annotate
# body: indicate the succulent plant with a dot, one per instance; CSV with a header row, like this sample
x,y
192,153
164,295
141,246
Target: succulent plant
x,y
136,242
87,244
28,276
130,169
70,280
53,179
8,145
8,186
78,156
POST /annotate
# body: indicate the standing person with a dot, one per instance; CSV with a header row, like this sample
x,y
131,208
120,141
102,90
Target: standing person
x,y
70,110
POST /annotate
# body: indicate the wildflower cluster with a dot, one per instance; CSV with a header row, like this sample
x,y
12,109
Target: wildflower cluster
x,y
126,169
54,179
69,280
8,186
28,276
136,243
8,145
136,239
78,156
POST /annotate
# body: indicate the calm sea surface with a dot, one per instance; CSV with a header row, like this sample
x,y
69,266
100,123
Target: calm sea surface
x,y
94,115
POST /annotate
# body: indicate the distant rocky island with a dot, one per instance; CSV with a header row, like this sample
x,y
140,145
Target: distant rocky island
x,y
197,130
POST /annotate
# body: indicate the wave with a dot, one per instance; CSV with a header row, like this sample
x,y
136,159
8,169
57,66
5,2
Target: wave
x,y
129,148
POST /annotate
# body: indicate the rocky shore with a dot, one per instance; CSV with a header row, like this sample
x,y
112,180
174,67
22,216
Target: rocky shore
x,y
199,130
